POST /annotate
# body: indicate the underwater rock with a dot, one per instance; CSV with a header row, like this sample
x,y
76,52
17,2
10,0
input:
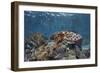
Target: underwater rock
x,y
51,51
70,54
62,45
38,38
57,51
41,53
79,53
86,52
32,43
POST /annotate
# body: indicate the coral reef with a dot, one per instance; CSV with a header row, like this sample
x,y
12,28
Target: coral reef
x,y
61,45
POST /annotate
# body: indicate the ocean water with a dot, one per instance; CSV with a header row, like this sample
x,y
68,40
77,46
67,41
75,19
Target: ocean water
x,y
48,23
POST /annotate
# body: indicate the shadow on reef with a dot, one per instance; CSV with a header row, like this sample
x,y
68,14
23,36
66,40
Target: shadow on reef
x,y
63,45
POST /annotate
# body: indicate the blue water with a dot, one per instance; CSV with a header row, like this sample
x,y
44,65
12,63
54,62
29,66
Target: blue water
x,y
51,22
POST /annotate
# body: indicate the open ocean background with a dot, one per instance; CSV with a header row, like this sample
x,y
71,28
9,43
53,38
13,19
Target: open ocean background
x,y
48,23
